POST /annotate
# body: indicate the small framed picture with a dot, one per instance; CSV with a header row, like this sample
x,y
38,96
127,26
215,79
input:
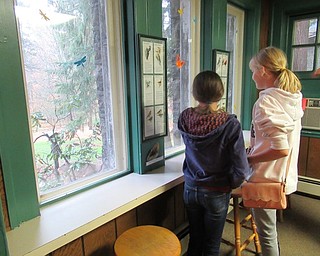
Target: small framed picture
x,y
153,78
220,64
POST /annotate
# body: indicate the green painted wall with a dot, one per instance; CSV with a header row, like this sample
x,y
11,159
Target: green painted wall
x,y
148,21
252,9
128,8
281,11
279,27
213,36
15,144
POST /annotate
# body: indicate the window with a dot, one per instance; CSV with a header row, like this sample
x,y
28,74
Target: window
x,y
235,31
180,25
73,76
305,44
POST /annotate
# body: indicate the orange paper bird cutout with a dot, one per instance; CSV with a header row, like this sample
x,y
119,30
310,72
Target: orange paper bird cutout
x,y
179,62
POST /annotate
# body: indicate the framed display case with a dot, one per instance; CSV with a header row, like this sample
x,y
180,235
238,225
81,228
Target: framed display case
x,y
220,64
153,80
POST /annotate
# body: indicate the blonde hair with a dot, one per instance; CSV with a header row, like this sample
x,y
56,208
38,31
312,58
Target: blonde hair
x,y
275,60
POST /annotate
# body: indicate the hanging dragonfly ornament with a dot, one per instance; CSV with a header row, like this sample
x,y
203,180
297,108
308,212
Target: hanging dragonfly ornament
x,y
81,62
43,15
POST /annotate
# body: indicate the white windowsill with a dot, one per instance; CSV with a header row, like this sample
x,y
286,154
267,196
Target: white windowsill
x,y
64,221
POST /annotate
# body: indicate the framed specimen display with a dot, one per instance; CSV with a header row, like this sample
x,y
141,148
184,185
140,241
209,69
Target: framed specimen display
x,y
220,64
153,79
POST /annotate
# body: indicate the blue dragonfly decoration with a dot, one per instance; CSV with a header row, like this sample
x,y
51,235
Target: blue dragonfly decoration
x,y
81,62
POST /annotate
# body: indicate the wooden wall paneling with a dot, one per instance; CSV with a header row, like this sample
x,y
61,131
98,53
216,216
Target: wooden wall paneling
x,y
303,155
313,163
126,221
265,21
74,248
166,203
101,240
158,211
146,213
180,213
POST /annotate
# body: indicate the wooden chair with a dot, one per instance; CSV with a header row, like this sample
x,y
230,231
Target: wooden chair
x,y
147,240
241,243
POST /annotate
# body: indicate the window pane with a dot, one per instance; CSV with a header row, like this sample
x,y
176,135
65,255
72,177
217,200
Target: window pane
x,y
66,61
303,58
234,44
231,43
318,58
305,31
176,28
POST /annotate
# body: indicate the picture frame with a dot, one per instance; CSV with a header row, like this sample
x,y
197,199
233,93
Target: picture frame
x,y
220,64
153,85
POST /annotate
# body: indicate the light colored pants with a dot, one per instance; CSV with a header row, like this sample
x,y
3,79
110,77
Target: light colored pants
x,y
266,220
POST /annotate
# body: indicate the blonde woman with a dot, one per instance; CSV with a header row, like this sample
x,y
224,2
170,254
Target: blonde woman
x,y
275,132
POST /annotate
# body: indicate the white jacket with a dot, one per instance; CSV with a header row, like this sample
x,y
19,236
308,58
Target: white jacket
x,y
277,124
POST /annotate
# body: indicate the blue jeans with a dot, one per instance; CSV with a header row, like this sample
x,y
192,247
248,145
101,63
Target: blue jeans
x,y
207,211
266,221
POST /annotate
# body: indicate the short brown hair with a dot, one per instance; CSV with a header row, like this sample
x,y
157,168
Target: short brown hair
x,y
207,87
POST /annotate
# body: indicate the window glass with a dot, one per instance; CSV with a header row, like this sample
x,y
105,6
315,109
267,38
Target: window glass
x,y
234,44
304,31
302,58
318,58
67,49
176,21
231,44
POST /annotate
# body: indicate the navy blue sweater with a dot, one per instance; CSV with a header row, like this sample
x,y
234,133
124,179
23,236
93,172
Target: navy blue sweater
x,y
216,159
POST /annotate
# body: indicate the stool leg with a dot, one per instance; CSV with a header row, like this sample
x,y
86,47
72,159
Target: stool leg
x,y
256,236
237,226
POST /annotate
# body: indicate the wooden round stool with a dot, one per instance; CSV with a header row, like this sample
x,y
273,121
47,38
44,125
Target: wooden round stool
x,y
147,241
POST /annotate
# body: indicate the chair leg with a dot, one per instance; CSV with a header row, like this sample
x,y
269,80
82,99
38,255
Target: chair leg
x,y
237,225
240,223
256,236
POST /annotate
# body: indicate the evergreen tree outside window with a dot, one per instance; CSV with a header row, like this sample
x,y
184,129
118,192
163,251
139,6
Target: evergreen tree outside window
x,y
73,79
